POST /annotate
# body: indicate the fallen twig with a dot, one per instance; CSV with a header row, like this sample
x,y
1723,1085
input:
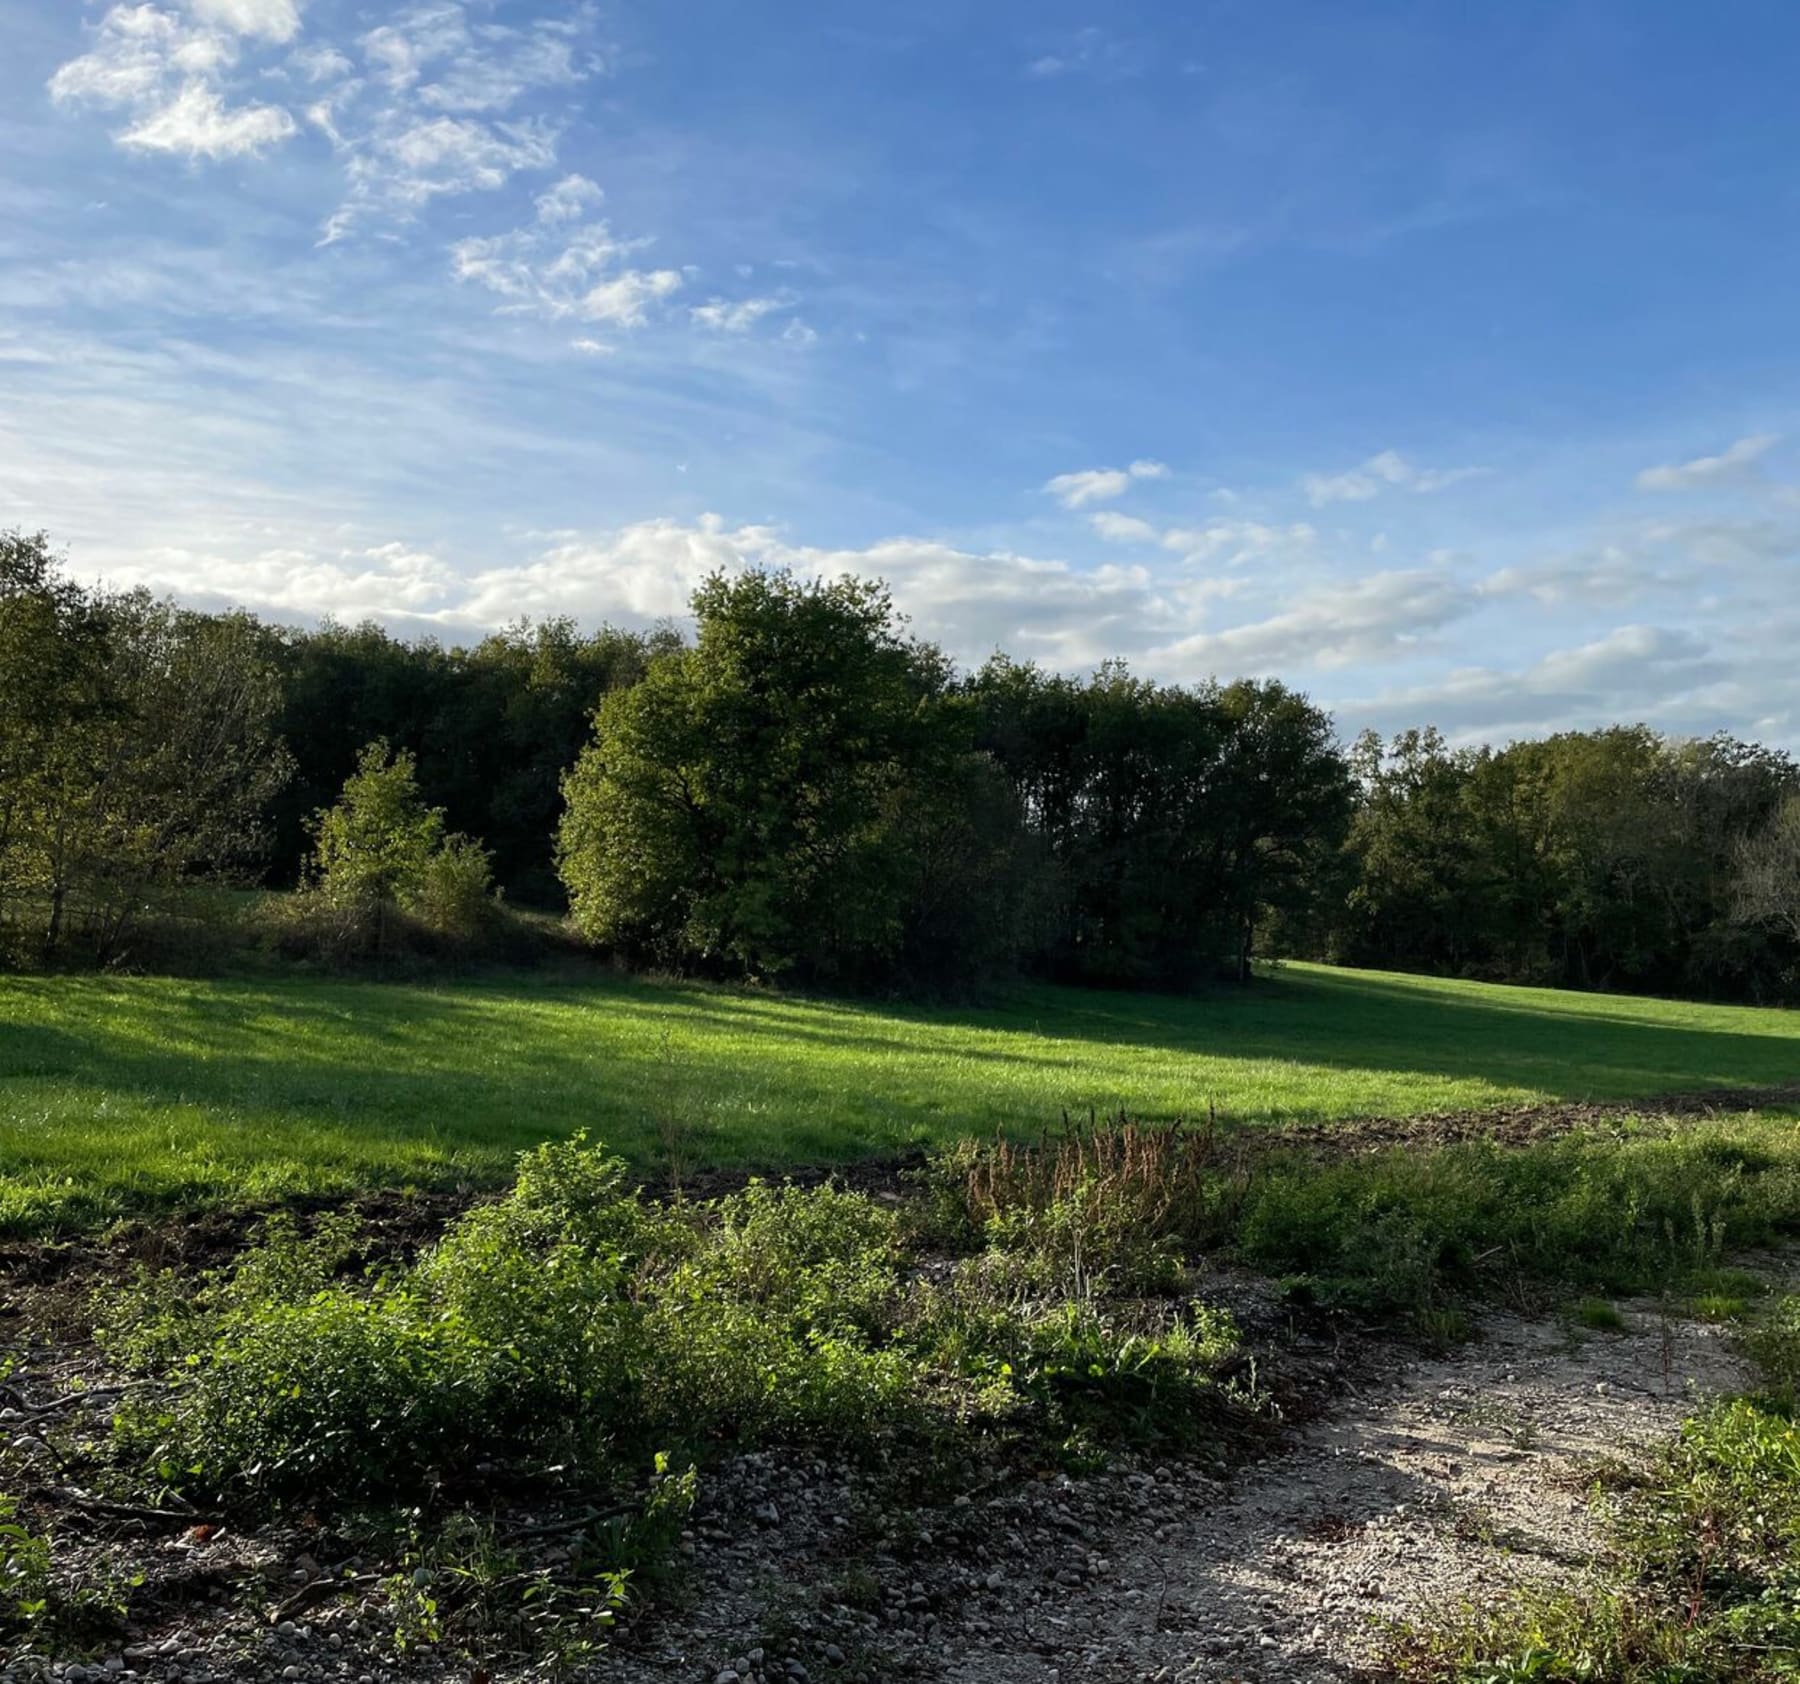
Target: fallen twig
x,y
106,1508
318,1590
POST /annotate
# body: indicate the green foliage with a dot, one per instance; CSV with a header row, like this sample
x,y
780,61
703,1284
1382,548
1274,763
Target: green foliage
x,y
1599,1315
494,728
1406,1231
1107,1210
462,1586
784,798
137,753
24,1571
1587,1212
1774,1341
385,874
1169,823
375,844
1599,859
1767,885
572,1323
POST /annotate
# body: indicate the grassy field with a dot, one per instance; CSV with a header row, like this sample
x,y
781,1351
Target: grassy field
x,y
117,1094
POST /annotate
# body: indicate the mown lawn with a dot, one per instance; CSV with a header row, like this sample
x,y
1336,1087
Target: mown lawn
x,y
120,1094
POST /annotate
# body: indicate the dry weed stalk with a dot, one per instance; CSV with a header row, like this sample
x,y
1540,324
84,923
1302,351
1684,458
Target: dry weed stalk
x,y
1151,1178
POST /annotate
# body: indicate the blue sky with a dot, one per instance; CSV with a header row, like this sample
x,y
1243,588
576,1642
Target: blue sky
x,y
1441,359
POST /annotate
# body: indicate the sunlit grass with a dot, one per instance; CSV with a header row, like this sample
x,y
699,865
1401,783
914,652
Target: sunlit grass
x,y
121,1093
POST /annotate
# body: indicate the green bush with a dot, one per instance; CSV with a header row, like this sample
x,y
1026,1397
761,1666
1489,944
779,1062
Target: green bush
x,y
573,1323
455,895
386,879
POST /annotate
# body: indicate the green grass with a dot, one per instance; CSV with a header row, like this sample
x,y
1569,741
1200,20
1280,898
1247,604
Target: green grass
x,y
127,1093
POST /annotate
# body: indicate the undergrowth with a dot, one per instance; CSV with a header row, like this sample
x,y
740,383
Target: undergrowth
x,y
1402,1230
576,1325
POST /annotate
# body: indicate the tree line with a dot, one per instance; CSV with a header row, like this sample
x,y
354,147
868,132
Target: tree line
x,y
802,790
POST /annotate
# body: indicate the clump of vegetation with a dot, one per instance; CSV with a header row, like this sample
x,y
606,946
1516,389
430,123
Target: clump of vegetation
x,y
138,753
1114,1208
1122,1207
24,1570
386,877
574,1324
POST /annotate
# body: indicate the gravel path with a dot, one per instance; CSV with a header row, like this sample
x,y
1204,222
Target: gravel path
x,y
1448,1482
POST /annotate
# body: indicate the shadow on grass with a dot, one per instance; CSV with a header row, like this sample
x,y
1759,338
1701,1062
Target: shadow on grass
x,y
483,1068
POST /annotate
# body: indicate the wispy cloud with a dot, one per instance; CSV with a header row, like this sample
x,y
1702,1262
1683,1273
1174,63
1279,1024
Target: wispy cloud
x,y
1122,529
274,20
1234,542
725,315
197,124
1386,471
561,266
1089,52
169,75
1669,676
1369,619
1100,485
1734,465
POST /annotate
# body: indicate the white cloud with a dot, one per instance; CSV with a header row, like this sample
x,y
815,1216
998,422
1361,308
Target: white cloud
x,y
435,56
431,117
623,299
429,114
1731,466
197,124
457,155
1374,618
970,602
1234,542
1670,677
1100,485
1648,557
1384,471
273,20
559,268
724,315
137,52
569,200
1122,529
320,63
169,74
592,347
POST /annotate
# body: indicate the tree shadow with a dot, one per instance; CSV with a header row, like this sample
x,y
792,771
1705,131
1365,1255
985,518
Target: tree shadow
x,y
474,1071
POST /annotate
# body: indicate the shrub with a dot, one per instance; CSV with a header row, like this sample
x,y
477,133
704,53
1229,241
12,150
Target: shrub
x,y
573,1323
455,894
386,880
